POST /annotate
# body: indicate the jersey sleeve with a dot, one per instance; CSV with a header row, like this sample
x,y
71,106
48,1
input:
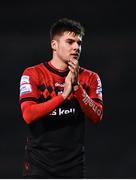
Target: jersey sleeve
x,y
90,98
95,88
28,85
32,109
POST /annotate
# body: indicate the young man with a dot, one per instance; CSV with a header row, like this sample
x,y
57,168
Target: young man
x,y
55,97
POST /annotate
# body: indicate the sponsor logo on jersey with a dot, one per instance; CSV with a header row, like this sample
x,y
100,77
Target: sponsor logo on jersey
x,y
90,102
57,84
61,111
99,88
24,79
59,87
25,88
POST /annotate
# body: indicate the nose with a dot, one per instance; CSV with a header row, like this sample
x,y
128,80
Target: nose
x,y
76,46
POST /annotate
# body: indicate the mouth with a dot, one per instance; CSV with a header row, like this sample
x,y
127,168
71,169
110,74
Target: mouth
x,y
75,55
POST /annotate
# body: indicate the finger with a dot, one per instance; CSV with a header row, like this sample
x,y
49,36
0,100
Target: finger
x,y
74,66
71,69
71,64
74,61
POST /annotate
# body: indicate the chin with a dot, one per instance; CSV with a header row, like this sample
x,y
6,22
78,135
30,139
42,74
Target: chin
x,y
65,61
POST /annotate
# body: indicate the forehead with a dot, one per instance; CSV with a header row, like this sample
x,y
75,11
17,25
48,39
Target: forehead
x,y
71,35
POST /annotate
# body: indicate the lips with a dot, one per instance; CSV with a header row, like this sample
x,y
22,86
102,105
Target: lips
x,y
75,55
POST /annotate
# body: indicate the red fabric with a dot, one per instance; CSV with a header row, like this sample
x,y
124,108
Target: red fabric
x,y
88,95
92,109
33,111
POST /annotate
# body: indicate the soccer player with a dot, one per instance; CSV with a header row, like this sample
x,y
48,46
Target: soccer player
x,y
55,98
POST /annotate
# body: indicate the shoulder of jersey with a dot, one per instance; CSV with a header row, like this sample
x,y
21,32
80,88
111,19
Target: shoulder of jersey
x,y
86,72
33,68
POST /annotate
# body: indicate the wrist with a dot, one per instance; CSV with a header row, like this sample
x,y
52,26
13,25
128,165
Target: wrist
x,y
76,86
64,96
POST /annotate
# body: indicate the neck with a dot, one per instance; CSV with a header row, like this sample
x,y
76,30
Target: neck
x,y
59,64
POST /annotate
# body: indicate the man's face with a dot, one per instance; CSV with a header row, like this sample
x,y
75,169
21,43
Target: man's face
x,y
68,46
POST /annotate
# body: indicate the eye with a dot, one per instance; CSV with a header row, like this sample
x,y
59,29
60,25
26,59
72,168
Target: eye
x,y
69,41
79,43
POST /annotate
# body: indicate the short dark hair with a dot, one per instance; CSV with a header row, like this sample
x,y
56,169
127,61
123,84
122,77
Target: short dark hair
x,y
66,24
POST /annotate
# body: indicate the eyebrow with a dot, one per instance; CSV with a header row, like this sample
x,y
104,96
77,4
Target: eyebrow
x,y
70,39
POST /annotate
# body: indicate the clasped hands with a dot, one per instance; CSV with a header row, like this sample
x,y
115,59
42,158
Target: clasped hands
x,y
71,79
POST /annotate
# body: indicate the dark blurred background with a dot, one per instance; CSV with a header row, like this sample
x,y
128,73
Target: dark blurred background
x,y
109,48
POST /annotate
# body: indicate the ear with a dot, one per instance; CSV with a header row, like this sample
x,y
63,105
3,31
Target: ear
x,y
54,44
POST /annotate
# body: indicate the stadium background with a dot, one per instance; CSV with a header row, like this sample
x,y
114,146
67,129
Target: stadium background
x,y
109,48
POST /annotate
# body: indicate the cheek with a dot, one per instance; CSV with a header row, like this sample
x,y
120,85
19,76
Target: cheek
x,y
80,49
64,50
